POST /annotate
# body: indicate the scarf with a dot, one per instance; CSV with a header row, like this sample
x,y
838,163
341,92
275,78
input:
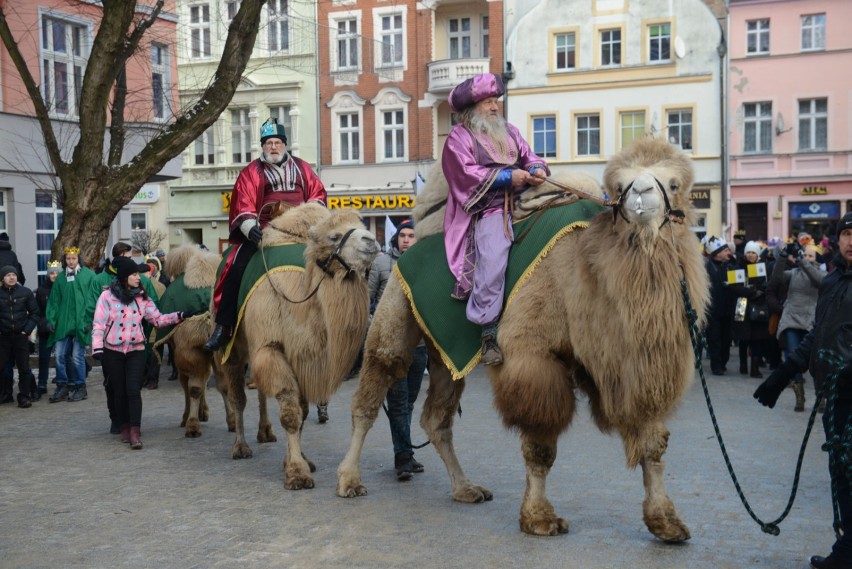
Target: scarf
x,y
123,294
282,176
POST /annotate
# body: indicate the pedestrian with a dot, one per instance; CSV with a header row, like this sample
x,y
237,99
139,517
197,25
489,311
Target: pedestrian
x,y
18,318
832,330
739,244
9,257
403,393
276,179
71,329
163,276
118,341
720,315
751,322
42,295
485,161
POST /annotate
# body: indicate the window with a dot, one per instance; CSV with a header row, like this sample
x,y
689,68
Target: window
x,y
199,31
138,221
813,124
566,51
279,27
64,48
240,136
757,123
391,38
48,221
160,79
281,113
350,136
588,135
757,37
813,32
347,44
611,47
632,127
659,42
203,148
393,131
544,136
486,37
459,38
680,129
232,7
3,211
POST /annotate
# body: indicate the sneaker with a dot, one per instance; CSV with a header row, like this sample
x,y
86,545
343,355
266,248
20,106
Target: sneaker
x,y
78,394
35,396
403,466
61,393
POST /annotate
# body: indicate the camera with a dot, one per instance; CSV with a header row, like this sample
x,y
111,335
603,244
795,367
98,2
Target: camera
x,y
794,250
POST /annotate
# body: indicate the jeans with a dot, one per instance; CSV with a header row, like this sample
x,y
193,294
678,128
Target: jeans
x,y
401,398
78,360
123,374
43,360
842,549
792,339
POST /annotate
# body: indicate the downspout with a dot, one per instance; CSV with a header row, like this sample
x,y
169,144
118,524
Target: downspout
x,y
724,70
318,99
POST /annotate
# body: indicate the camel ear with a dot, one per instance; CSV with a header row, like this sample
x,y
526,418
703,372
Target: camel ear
x,y
312,233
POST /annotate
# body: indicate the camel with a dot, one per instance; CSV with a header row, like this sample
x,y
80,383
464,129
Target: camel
x,y
300,331
609,322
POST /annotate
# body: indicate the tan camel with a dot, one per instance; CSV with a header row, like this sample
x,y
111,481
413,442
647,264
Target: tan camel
x,y
299,352
609,322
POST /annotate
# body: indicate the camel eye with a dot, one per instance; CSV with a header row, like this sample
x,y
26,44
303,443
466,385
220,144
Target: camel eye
x,y
673,185
334,237
619,189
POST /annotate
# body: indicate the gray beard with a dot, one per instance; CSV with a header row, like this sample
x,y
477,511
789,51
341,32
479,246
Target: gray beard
x,y
495,129
268,159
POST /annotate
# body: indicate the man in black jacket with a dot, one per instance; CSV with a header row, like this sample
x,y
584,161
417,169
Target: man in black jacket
x,y
832,330
721,315
8,257
18,318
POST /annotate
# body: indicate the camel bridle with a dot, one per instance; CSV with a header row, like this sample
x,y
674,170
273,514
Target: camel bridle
x,y
671,215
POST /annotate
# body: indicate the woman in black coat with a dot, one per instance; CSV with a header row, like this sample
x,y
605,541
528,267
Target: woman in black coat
x,y
752,330
42,295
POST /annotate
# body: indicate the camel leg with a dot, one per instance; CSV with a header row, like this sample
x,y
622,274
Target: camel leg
x,y
439,411
184,383
537,514
658,511
271,370
195,390
222,388
303,403
264,426
203,409
236,394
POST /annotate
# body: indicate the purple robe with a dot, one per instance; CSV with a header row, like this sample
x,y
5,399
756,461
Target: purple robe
x,y
471,165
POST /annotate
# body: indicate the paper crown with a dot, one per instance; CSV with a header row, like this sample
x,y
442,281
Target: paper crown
x,y
271,129
714,245
73,250
740,233
54,265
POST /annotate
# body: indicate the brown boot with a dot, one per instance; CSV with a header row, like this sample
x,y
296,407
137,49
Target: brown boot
x,y
135,438
125,433
799,390
491,354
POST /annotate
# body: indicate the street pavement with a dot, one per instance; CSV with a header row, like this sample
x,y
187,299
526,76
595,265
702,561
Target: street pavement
x,y
72,496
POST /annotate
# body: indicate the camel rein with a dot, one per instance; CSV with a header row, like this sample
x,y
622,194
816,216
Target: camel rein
x,y
835,447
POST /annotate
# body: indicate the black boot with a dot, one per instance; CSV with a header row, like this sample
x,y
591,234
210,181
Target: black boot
x,y
491,354
61,393
755,368
219,338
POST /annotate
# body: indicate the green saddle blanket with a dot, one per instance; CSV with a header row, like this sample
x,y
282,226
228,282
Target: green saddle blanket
x,y
180,297
424,273
287,257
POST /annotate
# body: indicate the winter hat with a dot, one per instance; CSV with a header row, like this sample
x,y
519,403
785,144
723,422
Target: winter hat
x,y
124,267
752,247
475,89
844,223
407,224
271,129
6,270
714,245
4,236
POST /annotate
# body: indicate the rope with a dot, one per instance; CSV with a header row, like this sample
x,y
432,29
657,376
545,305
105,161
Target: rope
x,y
698,343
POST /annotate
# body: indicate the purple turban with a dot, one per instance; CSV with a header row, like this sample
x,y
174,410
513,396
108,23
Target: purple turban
x,y
475,89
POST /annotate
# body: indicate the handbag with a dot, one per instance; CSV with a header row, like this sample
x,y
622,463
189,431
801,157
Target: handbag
x,y
774,319
758,313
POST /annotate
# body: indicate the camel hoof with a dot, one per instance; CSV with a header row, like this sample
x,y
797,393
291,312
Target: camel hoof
x,y
473,495
351,490
204,418
299,482
265,435
192,433
544,524
668,528
241,450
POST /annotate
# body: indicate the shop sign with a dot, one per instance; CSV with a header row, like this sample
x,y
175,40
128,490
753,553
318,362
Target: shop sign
x,y
815,210
700,199
815,191
226,201
149,193
372,202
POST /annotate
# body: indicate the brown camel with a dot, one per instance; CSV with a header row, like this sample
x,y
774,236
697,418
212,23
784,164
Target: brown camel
x,y
609,321
299,352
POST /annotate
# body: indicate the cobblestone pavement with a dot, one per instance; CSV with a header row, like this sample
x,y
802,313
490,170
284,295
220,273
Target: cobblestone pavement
x,y
72,496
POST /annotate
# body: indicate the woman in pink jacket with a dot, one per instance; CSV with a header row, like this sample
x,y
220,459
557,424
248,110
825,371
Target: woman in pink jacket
x,y
118,341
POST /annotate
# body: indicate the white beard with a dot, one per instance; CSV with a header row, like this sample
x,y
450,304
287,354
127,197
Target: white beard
x,y
494,128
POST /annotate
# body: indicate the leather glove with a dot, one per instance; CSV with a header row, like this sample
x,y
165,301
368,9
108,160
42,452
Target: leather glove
x,y
769,391
255,235
97,355
188,314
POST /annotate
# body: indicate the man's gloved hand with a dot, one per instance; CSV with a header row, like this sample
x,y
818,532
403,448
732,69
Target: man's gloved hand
x,y
188,314
769,391
255,235
98,354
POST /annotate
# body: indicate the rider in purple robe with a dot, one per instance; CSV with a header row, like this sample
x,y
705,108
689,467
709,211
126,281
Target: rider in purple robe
x,y
486,161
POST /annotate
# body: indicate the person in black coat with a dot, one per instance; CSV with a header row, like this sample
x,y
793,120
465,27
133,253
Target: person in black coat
x,y
18,318
752,333
8,257
720,318
42,295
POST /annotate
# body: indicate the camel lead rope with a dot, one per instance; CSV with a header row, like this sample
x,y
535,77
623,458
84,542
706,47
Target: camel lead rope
x,y
697,343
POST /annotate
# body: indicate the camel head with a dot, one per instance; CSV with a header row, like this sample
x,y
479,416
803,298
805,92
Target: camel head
x,y
340,241
650,178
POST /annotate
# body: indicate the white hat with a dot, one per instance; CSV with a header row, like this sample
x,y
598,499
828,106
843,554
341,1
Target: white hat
x,y
753,247
714,244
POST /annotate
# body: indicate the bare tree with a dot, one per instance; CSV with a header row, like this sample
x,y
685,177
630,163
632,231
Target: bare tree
x,y
147,240
94,184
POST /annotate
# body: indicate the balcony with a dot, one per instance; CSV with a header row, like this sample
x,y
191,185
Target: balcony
x,y
447,73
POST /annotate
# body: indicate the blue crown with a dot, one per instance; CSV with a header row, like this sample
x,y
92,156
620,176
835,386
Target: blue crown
x,y
271,128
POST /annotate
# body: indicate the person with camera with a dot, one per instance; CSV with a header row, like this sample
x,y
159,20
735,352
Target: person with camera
x,y
832,330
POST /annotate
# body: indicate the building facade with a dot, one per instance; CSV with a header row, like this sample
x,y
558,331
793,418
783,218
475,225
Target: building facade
x,y
590,76
790,97
385,73
56,52
279,82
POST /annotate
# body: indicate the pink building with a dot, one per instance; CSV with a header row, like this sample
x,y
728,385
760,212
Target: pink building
x,y
790,93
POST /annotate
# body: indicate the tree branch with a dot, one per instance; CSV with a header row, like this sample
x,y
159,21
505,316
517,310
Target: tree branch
x,y
117,132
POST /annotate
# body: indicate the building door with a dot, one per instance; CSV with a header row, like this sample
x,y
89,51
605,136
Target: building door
x,y
752,217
